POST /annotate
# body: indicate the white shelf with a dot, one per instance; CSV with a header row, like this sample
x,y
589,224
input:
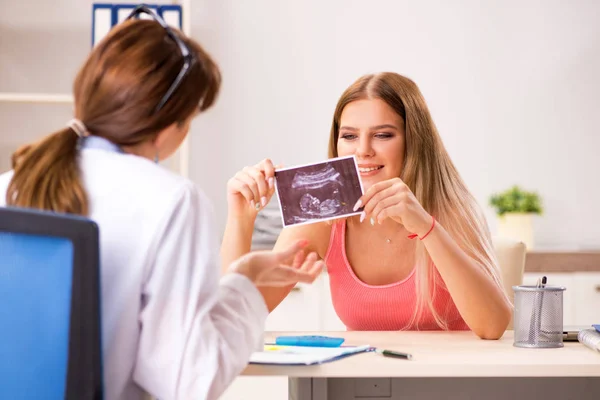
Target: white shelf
x,y
36,98
180,160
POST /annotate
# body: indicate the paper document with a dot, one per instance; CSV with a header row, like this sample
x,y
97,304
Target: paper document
x,y
590,338
318,192
303,355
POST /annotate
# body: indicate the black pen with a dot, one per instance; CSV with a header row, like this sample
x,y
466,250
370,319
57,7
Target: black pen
x,y
395,354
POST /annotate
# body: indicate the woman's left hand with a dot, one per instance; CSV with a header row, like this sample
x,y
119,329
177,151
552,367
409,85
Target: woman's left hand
x,y
394,199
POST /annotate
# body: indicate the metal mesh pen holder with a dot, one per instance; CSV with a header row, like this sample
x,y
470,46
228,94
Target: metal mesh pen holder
x,y
538,316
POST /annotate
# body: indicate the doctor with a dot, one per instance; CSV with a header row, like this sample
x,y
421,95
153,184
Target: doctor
x,y
169,327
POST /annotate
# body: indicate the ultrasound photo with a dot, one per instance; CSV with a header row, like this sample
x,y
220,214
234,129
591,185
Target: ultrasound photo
x,y
318,192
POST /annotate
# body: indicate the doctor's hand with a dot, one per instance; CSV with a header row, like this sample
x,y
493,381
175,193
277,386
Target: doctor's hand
x,y
279,268
394,199
250,189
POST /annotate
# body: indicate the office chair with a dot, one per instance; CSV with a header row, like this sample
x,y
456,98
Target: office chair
x,y
50,346
511,256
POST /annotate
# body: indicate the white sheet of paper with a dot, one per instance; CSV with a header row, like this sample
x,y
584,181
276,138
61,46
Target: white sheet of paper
x,y
302,355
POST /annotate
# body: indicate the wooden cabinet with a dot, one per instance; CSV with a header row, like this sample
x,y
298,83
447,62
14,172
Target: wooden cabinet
x,y
587,298
306,308
581,299
300,310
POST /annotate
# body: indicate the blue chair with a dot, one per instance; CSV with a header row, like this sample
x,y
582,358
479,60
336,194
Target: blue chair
x,y
50,346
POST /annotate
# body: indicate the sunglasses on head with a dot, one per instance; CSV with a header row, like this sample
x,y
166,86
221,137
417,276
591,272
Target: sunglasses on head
x,y
188,57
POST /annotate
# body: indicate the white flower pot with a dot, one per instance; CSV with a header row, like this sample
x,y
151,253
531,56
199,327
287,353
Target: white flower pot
x,y
517,226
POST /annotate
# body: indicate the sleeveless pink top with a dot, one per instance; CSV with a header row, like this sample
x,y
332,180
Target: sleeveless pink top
x,y
363,307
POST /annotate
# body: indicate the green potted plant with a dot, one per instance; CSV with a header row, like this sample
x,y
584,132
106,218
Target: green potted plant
x,y
515,208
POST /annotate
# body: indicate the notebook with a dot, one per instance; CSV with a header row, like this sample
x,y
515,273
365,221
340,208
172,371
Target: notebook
x,y
590,338
303,355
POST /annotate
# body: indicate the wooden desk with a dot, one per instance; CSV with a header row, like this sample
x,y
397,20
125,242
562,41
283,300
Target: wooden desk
x,y
445,365
562,261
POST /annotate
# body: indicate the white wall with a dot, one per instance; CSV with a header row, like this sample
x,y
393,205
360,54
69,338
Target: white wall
x,y
511,86
42,45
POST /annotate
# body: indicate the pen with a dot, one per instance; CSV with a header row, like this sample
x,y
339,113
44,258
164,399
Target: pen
x,y
395,354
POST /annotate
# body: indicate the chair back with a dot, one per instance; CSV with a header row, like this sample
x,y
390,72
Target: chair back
x,y
511,256
50,344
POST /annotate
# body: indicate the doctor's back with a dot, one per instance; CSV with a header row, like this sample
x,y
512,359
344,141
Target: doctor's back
x,y
146,241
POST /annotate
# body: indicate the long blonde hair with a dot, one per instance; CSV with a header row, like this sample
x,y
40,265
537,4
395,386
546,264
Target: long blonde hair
x,y
430,174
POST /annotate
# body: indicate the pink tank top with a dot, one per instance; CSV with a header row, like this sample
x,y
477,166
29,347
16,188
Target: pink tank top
x,y
363,307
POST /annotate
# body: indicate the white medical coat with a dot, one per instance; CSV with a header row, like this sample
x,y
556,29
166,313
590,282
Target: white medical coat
x,y
169,327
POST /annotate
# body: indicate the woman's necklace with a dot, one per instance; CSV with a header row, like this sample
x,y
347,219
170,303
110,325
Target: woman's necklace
x,y
388,239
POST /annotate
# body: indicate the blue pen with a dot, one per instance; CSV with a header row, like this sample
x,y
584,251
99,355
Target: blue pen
x,y
309,341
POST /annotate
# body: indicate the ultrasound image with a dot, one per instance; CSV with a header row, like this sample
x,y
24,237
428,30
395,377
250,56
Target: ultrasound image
x,y
317,192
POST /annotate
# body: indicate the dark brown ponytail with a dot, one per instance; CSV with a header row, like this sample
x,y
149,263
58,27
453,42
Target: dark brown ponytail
x,y
46,175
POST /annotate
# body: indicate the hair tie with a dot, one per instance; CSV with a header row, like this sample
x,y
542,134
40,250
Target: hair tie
x,y
78,127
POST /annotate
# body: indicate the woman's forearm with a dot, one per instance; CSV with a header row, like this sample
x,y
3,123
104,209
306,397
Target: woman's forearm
x,y
237,239
479,300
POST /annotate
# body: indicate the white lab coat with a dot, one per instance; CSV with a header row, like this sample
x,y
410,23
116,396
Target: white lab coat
x,y
169,327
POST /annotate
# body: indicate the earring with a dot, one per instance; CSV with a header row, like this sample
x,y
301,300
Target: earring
x,y
156,157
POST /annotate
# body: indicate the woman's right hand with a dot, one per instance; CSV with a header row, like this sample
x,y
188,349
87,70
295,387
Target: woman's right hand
x,y
279,268
251,189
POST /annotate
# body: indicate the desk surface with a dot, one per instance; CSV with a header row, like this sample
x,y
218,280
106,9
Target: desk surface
x,y
443,354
